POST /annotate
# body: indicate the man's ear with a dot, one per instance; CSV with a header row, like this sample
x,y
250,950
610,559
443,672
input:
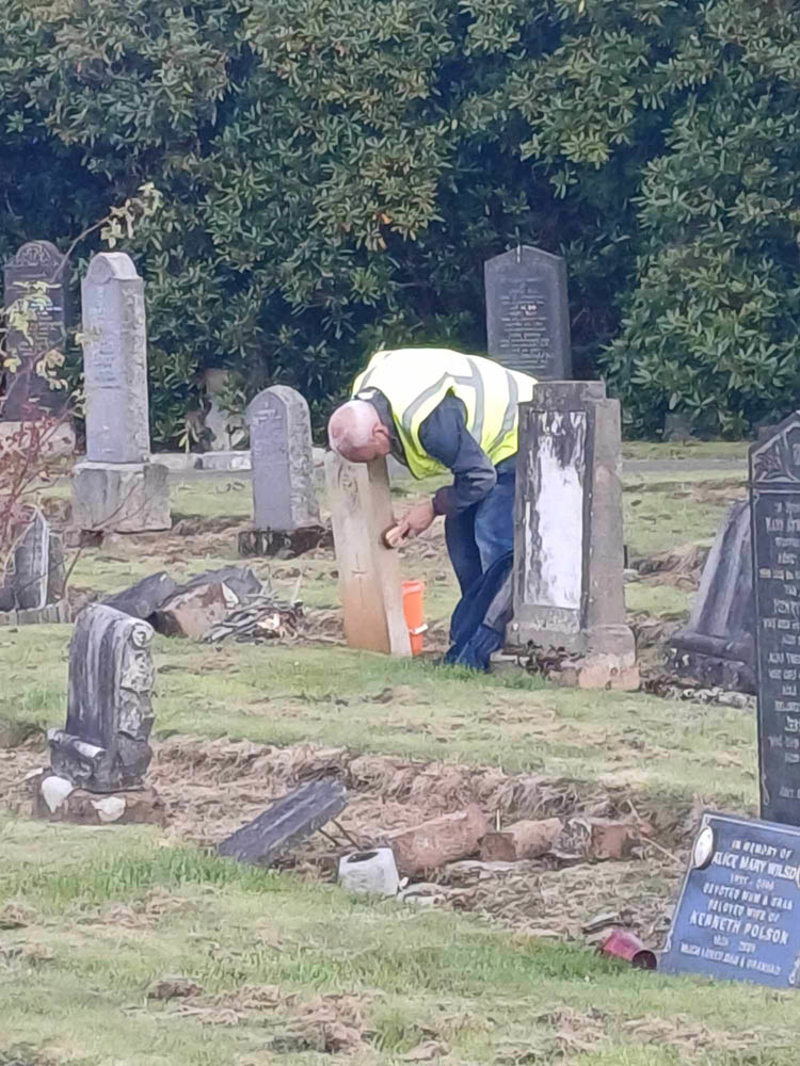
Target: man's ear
x,y
380,432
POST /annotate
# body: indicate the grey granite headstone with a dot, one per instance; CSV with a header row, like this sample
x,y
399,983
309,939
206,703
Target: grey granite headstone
x,y
527,313
37,274
775,513
284,496
117,488
104,746
568,550
717,647
115,361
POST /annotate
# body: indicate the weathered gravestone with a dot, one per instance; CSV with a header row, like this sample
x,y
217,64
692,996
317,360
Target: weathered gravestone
x,y
32,587
568,549
736,916
717,647
370,585
104,746
34,280
286,513
117,488
287,822
775,512
527,313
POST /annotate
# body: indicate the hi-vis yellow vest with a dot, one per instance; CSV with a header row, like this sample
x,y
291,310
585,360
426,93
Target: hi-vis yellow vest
x,y
416,380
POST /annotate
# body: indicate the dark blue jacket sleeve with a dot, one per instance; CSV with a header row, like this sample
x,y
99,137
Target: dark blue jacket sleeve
x,y
445,437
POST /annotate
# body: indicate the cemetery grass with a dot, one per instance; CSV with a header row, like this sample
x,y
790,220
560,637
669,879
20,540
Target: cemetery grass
x,y
101,916
90,918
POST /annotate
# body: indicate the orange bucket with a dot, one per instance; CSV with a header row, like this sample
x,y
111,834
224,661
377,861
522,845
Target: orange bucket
x,y
414,614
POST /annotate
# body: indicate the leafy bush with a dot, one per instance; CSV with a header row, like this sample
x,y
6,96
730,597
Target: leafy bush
x,y
336,171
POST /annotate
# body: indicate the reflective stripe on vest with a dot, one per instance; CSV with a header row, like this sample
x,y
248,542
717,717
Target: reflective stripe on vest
x,y
416,380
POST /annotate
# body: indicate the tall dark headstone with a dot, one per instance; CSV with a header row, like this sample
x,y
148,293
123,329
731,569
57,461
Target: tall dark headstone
x,y
568,551
717,647
775,513
527,313
36,276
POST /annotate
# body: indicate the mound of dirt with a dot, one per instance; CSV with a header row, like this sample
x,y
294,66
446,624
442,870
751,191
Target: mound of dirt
x,y
211,788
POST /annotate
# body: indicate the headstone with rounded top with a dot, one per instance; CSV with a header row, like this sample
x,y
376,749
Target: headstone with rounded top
x,y
34,281
286,512
527,313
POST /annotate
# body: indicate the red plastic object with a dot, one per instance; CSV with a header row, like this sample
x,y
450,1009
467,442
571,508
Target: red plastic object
x,y
414,613
625,945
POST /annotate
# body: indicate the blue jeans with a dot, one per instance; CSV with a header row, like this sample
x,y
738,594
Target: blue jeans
x,y
479,536
480,542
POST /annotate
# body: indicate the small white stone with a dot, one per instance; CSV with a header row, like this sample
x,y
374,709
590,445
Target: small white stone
x,y
55,790
109,808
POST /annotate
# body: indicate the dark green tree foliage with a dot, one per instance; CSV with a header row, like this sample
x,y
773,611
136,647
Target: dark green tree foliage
x,y
336,171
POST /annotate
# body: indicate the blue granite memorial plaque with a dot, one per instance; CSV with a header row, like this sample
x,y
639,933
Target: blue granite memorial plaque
x,y
737,915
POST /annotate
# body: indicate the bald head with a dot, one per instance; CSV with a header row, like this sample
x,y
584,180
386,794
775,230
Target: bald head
x,y
356,432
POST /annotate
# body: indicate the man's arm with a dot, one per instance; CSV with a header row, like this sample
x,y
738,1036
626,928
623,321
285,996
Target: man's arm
x,y
445,437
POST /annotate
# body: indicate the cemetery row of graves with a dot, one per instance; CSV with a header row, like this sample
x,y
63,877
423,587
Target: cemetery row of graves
x,y
241,821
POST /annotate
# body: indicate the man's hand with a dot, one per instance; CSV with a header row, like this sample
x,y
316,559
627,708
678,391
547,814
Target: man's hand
x,y
416,520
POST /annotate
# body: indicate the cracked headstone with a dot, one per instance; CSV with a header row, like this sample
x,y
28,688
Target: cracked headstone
x,y
104,745
287,822
145,597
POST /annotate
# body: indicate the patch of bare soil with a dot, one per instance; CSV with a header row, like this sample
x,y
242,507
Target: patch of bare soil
x,y
211,788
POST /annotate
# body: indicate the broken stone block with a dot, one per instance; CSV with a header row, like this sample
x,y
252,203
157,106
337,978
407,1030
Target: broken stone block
x,y
600,671
104,747
438,841
613,840
239,579
527,839
287,822
145,597
57,800
193,612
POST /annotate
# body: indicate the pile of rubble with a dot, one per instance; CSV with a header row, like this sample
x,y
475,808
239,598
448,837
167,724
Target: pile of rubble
x,y
212,607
